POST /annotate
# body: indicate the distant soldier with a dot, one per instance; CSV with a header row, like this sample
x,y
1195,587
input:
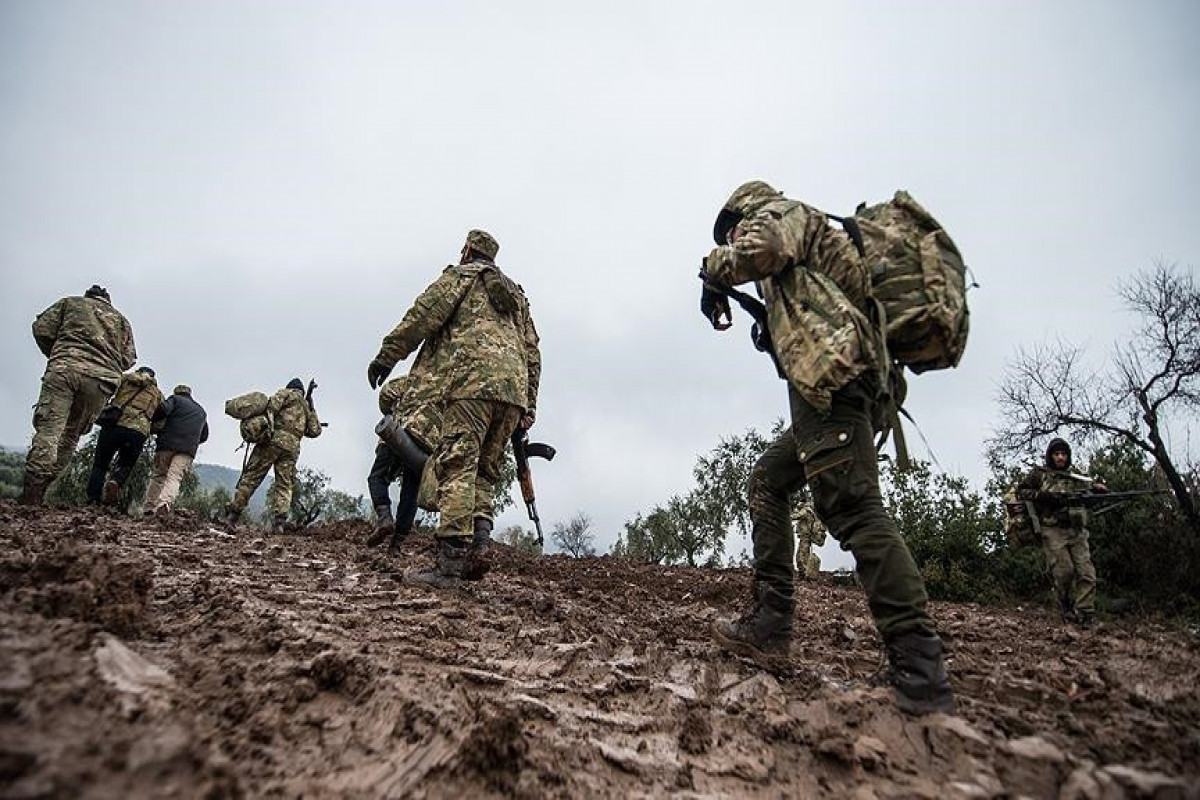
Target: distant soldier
x,y
123,434
489,385
810,534
816,289
88,344
182,426
1064,530
293,417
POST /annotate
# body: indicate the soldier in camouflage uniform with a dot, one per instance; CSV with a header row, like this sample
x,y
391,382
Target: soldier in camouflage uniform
x,y
292,418
489,384
1064,530
816,289
138,398
810,534
88,344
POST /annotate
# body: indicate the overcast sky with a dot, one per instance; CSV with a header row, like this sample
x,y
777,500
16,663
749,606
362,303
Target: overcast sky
x,y
264,187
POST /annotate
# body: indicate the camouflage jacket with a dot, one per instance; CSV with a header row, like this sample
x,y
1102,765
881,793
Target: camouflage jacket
x,y
816,289
86,335
1048,489
484,344
292,419
139,397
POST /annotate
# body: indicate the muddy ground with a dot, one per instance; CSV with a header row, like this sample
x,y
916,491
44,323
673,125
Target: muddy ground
x,y
172,658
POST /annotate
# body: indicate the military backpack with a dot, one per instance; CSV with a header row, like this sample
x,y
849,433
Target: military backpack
x,y
251,409
1021,524
918,278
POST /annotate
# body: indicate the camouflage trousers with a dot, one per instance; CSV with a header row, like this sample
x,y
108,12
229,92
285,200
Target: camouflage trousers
x,y
467,462
67,406
835,455
262,458
1069,559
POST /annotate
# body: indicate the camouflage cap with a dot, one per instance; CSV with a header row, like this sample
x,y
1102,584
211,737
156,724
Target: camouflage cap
x,y
182,388
483,243
745,200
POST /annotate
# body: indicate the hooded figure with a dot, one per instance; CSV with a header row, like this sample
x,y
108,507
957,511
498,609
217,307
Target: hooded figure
x,y
815,287
1064,530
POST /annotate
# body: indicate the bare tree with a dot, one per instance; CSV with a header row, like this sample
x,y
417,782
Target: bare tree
x,y
1048,390
574,536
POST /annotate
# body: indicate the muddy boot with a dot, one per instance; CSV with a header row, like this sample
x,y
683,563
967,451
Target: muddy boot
x,y
1086,619
1067,609
764,634
384,525
478,562
230,517
451,561
280,524
112,493
918,675
33,493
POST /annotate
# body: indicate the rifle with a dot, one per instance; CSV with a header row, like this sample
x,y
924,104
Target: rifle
x,y
1107,501
523,449
312,384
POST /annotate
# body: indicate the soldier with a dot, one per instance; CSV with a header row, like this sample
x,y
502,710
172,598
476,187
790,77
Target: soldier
x,y
182,426
810,533
136,401
88,344
488,385
293,417
816,290
1064,530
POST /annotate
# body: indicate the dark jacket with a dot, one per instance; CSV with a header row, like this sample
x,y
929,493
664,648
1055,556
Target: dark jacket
x,y
184,425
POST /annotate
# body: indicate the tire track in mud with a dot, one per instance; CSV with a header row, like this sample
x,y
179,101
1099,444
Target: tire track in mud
x,y
304,665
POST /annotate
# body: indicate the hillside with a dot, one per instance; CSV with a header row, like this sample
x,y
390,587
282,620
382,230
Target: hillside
x,y
148,658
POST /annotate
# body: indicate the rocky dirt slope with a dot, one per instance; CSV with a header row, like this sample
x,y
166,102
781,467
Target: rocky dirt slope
x,y
148,658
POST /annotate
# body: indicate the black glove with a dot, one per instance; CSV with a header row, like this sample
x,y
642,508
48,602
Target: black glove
x,y
714,305
377,373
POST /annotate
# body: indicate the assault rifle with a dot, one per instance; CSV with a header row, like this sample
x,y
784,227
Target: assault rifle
x,y
1101,502
312,384
523,449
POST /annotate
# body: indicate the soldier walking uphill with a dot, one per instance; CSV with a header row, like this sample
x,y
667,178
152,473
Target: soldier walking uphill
x,y
293,417
815,286
489,385
87,344
124,427
1064,530
182,427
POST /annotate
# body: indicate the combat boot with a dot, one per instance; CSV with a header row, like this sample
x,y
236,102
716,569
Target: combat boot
x,y
451,561
280,524
1067,609
231,517
764,633
478,563
33,492
112,493
918,675
384,525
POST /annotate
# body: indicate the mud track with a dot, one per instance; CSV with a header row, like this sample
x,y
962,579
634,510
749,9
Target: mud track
x,y
147,658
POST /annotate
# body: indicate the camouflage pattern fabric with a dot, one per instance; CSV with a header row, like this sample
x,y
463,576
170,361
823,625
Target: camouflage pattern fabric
x,y
815,286
139,396
391,392
262,458
66,408
88,336
292,421
810,533
1043,481
495,352
483,243
1069,560
467,463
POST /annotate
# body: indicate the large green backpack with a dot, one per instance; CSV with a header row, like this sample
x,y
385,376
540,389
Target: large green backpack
x,y
251,409
918,278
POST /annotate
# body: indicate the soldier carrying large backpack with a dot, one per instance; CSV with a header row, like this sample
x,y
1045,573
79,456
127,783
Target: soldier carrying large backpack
x,y
829,326
273,428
